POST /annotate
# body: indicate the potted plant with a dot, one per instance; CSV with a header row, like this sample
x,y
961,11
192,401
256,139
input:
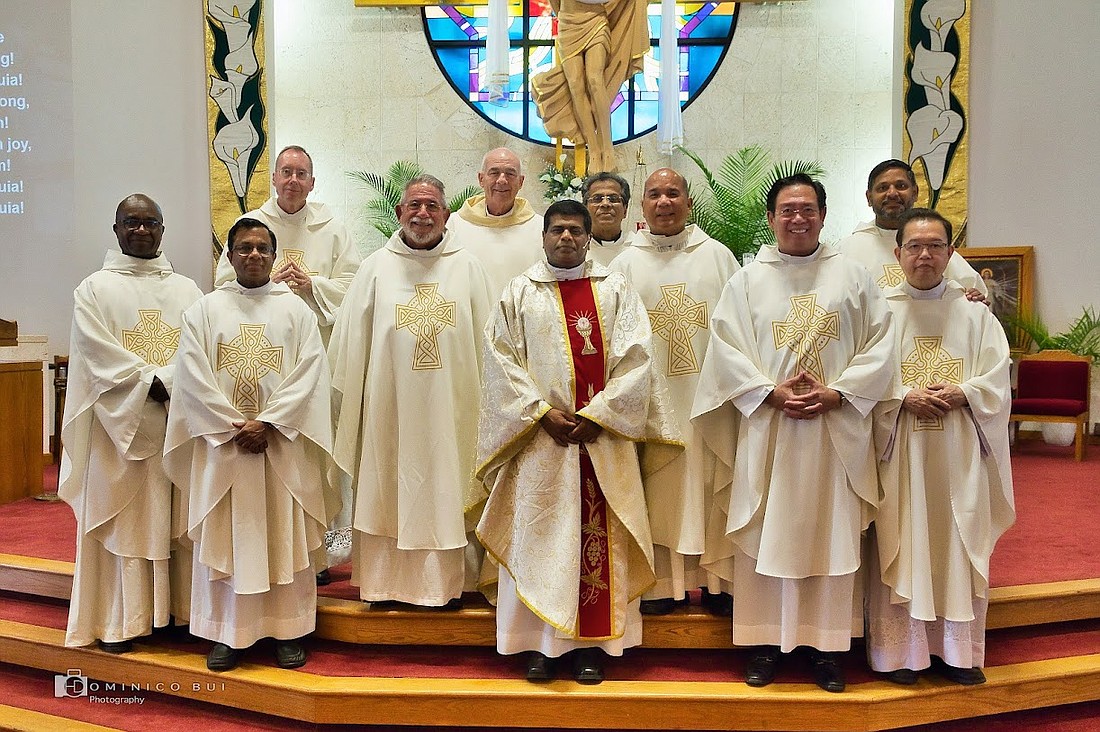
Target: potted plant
x,y
388,188
733,207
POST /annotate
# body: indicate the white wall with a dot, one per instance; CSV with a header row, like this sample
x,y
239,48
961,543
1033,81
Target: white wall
x,y
1034,156
139,123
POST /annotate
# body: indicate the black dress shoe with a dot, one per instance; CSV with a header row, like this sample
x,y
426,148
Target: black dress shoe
x,y
964,676
663,606
761,668
903,676
588,666
539,667
289,654
718,603
827,673
222,657
455,603
324,578
116,647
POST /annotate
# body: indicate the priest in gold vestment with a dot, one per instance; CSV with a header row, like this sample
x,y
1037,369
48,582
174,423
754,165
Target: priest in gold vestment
x,y
249,443
126,329
569,389
801,352
946,472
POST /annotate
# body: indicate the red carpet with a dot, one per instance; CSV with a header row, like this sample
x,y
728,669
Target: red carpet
x,y
1057,512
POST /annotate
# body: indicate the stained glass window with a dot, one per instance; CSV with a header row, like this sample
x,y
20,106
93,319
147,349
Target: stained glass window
x,y
456,35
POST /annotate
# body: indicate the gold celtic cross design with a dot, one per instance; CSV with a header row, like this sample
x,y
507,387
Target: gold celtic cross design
x,y
152,338
426,315
927,364
676,318
248,358
806,331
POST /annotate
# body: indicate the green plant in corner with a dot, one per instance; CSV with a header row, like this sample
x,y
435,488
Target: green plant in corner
x,y
388,188
1082,337
733,209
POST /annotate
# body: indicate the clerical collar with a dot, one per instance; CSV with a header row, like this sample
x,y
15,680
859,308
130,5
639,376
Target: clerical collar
x,y
934,294
434,251
255,291
120,262
572,273
672,242
607,242
297,219
799,259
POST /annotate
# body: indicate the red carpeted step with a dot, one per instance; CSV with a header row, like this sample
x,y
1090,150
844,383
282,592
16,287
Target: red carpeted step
x,y
331,658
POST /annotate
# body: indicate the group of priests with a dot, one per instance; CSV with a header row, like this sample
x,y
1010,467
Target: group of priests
x,y
583,424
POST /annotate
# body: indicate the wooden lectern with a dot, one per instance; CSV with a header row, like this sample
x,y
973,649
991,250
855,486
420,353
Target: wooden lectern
x,y
20,422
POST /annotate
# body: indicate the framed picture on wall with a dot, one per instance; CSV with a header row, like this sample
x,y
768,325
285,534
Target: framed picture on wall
x,y
1007,273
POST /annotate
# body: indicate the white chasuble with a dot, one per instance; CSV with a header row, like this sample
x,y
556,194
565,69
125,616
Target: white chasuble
x,y
319,244
532,521
802,490
126,330
679,279
947,480
776,319
505,245
405,358
873,247
257,520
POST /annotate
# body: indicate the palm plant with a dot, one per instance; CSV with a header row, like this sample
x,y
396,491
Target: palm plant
x,y
733,209
1082,338
388,188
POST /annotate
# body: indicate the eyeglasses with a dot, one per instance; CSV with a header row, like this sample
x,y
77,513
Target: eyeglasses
x,y
299,173
933,247
807,212
134,224
243,250
605,198
430,206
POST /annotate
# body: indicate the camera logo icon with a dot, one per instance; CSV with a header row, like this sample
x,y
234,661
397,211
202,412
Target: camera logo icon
x,y
72,685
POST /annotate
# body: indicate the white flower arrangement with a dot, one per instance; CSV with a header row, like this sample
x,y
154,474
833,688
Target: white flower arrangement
x,y
561,184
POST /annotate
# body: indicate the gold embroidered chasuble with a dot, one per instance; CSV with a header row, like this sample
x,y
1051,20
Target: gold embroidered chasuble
x,y
947,482
812,479
255,519
532,520
873,247
405,358
319,244
126,326
679,286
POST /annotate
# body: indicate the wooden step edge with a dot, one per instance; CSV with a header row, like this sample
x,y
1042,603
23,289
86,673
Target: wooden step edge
x,y
28,720
35,576
616,704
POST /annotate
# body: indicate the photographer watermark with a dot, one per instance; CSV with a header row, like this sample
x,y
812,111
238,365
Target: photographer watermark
x,y
73,684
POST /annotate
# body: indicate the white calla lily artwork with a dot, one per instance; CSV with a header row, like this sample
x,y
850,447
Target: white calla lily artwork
x,y
233,145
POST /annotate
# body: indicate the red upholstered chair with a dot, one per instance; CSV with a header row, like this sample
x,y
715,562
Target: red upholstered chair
x,y
1053,386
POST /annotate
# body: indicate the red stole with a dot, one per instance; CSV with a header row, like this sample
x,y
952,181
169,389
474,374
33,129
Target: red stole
x,y
586,345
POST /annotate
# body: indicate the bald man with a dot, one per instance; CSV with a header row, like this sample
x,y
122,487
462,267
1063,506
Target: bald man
x,y
126,327
498,226
679,272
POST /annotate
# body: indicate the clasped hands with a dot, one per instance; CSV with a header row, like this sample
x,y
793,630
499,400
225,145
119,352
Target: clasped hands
x,y
803,397
295,277
934,400
251,435
569,429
